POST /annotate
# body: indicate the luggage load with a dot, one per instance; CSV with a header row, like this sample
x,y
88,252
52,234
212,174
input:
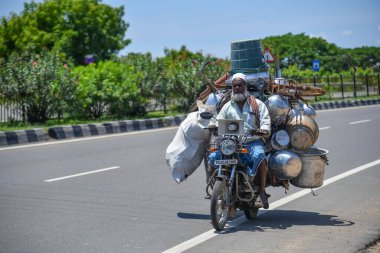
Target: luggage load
x,y
289,149
186,152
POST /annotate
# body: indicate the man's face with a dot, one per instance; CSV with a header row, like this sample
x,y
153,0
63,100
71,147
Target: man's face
x,y
238,86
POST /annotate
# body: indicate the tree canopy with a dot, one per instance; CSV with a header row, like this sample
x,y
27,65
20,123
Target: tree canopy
x,y
299,50
74,28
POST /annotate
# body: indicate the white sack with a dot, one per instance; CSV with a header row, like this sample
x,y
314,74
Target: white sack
x,y
186,152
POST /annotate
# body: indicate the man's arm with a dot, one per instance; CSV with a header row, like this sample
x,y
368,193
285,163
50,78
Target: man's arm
x,y
264,117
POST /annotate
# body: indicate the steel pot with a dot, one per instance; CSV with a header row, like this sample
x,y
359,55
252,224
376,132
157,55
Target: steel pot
x,y
285,164
303,132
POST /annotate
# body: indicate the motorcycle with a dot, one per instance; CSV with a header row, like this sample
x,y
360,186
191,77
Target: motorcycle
x,y
231,187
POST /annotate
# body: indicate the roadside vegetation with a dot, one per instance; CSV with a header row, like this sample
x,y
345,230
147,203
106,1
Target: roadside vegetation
x,y
59,66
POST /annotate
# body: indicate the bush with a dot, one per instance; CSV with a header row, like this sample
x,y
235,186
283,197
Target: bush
x,y
108,88
40,85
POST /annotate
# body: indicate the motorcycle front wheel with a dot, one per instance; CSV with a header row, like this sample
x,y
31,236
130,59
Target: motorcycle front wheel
x,y
219,205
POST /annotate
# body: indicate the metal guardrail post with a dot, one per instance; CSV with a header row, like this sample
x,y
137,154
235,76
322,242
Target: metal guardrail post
x,y
366,84
315,85
354,78
342,86
328,86
378,84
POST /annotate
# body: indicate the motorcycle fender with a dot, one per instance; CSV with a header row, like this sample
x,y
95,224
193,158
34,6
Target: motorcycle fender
x,y
222,177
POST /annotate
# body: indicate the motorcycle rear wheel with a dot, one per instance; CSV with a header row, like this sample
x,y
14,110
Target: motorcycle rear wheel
x,y
219,207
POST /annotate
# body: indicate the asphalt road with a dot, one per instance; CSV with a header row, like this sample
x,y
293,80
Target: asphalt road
x,y
49,202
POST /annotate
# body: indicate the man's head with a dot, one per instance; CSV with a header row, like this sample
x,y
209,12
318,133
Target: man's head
x,y
239,87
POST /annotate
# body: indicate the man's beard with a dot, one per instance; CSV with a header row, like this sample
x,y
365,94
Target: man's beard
x,y
240,97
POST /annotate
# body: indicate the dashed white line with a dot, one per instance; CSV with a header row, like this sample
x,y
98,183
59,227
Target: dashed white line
x,y
211,233
359,122
81,174
323,128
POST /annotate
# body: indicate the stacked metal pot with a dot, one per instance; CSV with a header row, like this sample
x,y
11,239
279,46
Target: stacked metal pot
x,y
291,151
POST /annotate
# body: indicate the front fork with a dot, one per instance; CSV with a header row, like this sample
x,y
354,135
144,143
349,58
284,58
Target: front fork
x,y
218,175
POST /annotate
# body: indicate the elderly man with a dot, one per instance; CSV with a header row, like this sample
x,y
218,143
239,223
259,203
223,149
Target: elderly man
x,y
254,113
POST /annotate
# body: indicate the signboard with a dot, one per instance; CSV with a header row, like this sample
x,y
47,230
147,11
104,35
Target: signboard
x,y
316,65
268,55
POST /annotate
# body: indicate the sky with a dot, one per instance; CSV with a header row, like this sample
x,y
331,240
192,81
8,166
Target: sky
x,y
209,26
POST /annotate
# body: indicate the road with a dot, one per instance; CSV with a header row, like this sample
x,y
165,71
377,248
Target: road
x,y
114,193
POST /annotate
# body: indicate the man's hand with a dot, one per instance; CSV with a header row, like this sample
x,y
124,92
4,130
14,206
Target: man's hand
x,y
261,132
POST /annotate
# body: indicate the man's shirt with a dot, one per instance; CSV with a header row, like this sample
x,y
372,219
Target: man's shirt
x,y
231,110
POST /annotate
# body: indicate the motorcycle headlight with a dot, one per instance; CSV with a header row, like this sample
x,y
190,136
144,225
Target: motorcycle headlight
x,y
227,147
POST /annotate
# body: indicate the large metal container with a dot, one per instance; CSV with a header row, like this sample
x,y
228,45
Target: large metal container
x,y
313,168
278,108
303,132
285,164
247,57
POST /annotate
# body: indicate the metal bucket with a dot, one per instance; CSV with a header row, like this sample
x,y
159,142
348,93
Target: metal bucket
x,y
303,132
285,164
280,140
313,168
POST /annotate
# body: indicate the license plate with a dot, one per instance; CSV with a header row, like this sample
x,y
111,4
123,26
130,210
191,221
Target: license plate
x,y
223,162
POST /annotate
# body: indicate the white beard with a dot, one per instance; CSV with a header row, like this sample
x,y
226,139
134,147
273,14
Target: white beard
x,y
240,97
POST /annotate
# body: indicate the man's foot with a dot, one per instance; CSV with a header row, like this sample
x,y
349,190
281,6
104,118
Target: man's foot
x,y
231,213
262,201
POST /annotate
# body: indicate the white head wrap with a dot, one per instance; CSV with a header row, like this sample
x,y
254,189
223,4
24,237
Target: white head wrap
x,y
239,75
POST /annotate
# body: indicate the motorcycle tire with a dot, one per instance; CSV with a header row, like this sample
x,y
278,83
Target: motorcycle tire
x,y
251,212
219,207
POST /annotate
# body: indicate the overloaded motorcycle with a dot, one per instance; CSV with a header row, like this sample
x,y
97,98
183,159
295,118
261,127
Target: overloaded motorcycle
x,y
291,154
231,187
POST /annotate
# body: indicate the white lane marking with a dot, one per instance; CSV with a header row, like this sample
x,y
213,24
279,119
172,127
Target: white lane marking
x,y
324,128
360,121
81,174
88,138
238,221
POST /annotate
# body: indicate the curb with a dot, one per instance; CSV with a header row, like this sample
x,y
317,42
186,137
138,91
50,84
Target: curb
x,y
86,130
344,104
22,136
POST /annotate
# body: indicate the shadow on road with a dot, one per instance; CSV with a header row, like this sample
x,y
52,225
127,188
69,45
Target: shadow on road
x,y
278,219
193,216
284,219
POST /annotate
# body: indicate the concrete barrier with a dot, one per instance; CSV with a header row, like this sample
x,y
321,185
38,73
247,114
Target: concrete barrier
x,y
22,136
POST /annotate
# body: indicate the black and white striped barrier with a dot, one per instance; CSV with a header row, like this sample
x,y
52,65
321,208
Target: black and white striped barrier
x,y
344,104
64,132
22,136
86,130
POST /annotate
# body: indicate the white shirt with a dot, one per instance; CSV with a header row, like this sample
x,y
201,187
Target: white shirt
x,y
231,110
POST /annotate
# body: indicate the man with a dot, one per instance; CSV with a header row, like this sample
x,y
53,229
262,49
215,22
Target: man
x,y
255,113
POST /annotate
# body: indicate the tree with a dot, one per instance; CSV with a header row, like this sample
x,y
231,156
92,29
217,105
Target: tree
x,y
75,28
